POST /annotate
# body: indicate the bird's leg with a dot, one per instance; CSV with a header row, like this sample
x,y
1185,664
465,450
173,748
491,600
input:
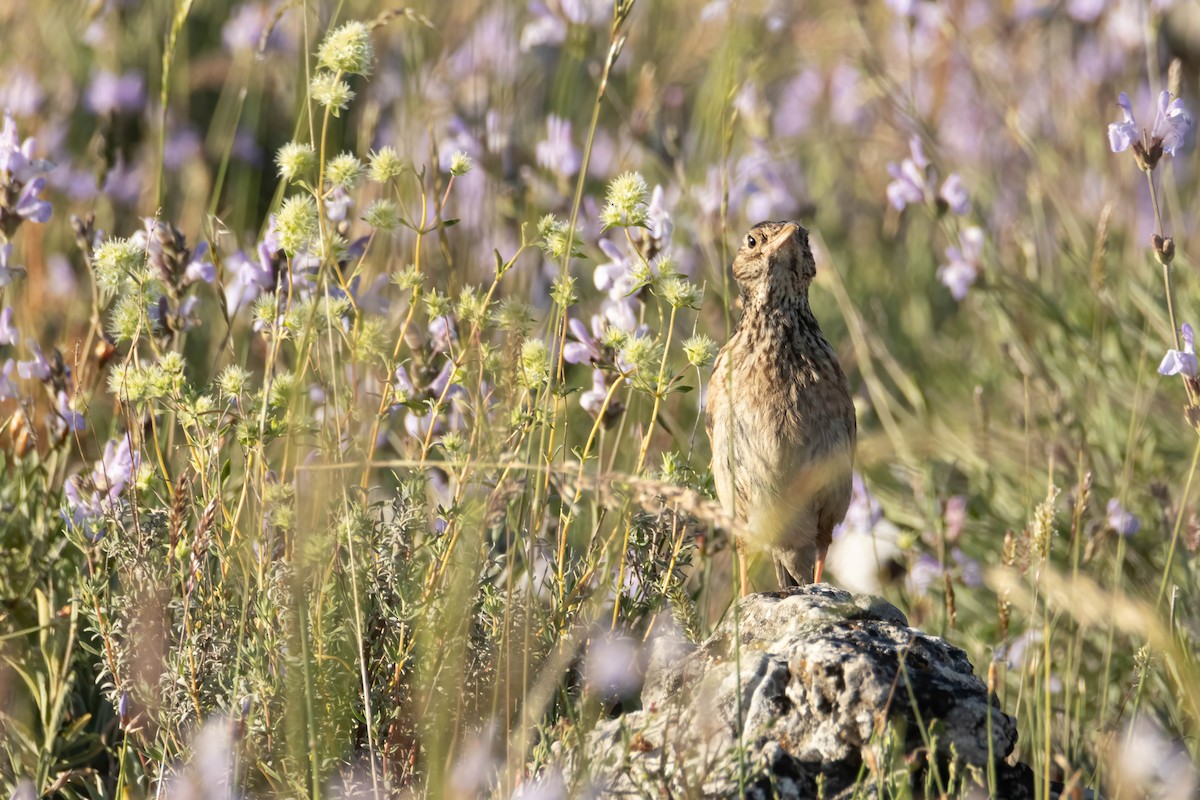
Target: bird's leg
x,y
743,567
819,569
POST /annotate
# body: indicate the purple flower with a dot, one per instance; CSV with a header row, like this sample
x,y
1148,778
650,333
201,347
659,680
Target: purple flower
x,y
110,93
8,333
8,389
927,571
112,474
1172,122
592,400
37,367
1121,520
954,516
21,93
16,156
88,499
909,180
199,270
955,195
244,30
963,262
586,348
70,416
1123,133
29,205
337,204
8,272
250,277
557,153
1183,362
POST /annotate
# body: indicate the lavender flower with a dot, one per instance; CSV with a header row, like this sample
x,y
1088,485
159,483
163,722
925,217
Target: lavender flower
x,y
1124,132
110,93
21,93
37,367
73,419
1121,520
1172,122
913,183
557,153
90,498
928,571
20,183
8,389
963,262
7,272
586,349
8,333
909,181
954,194
1183,362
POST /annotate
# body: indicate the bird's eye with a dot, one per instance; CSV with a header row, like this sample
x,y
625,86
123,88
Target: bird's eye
x,y
750,242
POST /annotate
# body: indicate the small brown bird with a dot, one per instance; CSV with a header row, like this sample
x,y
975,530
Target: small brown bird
x,y
779,413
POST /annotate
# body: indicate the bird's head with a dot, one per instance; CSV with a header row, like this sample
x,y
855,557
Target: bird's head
x,y
774,257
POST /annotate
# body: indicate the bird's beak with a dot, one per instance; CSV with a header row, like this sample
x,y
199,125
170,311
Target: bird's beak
x,y
778,240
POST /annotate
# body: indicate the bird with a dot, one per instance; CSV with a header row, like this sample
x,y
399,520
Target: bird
x,y
779,413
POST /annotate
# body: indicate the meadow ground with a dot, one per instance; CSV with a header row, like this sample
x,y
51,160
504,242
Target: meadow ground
x,y
352,364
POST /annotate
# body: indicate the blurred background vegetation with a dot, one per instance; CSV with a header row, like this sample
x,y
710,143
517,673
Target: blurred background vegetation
x,y
329,575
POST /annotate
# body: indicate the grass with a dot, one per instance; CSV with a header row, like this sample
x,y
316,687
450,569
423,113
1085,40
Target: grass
x,y
297,582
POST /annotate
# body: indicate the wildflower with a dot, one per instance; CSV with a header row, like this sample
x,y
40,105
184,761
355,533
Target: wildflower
x,y
20,183
535,362
331,92
1184,363
1121,520
699,350
344,171
8,333
553,234
460,164
382,214
1171,125
556,153
90,498
954,194
337,205
295,160
296,224
250,276
73,419
626,207
963,262
954,515
347,49
8,273
592,400
109,93
8,389
912,183
586,348
37,368
868,542
385,164
909,182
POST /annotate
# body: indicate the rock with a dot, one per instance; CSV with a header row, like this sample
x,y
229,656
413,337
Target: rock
x,y
820,696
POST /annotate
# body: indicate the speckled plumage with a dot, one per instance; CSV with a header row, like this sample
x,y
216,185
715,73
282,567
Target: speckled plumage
x,y
779,413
